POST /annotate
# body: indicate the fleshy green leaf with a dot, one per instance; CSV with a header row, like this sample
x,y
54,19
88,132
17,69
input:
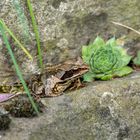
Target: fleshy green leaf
x,y
136,60
88,77
99,76
123,71
85,54
98,42
123,58
112,42
107,77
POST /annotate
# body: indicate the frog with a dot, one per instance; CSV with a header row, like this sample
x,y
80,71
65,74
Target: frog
x,y
52,81
70,79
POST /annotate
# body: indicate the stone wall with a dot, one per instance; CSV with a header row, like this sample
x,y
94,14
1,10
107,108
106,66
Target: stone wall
x,y
66,25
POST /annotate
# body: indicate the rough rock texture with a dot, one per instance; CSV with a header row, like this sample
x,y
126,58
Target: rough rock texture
x,y
66,25
107,110
102,110
4,119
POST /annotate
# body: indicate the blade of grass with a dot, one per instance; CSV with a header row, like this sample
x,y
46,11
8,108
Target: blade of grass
x,y
17,68
35,28
16,40
23,22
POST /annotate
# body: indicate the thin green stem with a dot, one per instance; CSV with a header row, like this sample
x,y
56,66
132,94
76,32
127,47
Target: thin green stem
x,y
16,40
22,19
35,28
17,68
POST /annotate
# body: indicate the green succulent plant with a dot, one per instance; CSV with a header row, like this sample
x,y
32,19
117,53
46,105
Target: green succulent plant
x,y
106,60
136,60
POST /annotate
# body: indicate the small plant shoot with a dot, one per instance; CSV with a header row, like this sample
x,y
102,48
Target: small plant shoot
x,y
106,60
136,60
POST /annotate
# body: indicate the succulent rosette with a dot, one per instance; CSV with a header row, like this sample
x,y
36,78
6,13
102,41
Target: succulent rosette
x,y
106,60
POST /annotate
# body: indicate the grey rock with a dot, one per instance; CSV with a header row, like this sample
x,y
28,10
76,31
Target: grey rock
x,y
5,120
106,110
103,110
66,25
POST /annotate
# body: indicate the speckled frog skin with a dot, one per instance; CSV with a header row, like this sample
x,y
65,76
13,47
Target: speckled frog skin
x,y
51,82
